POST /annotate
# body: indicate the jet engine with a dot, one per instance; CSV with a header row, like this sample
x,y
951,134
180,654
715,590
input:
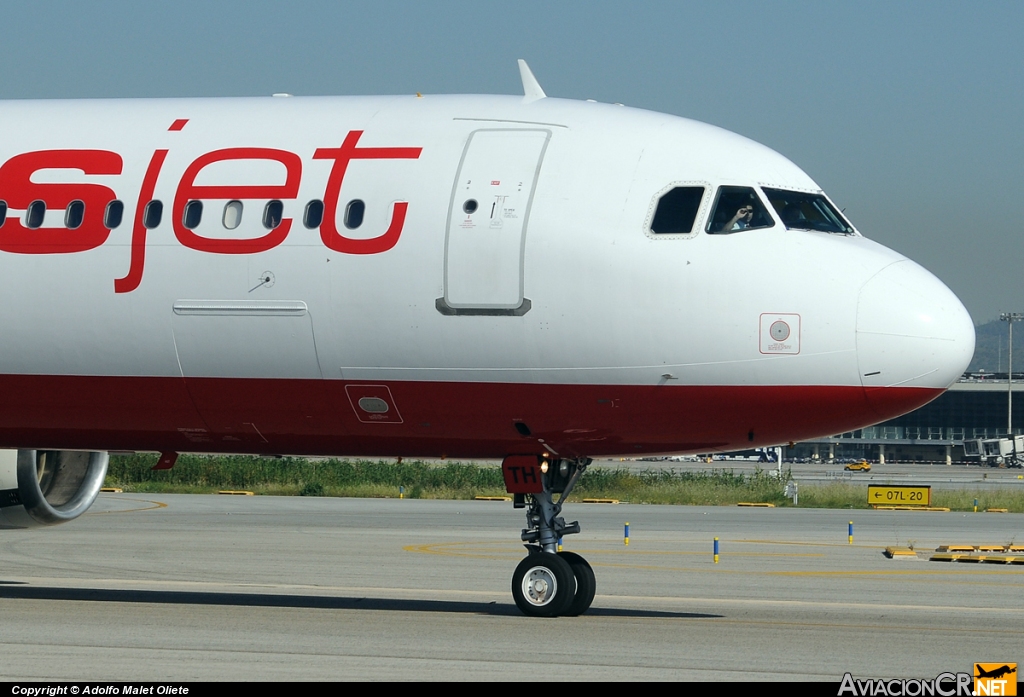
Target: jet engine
x,y
47,487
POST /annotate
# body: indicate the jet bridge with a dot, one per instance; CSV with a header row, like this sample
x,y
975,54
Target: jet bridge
x,y
996,452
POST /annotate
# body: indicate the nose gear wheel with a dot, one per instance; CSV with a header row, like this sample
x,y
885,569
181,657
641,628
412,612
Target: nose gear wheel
x,y
586,584
543,585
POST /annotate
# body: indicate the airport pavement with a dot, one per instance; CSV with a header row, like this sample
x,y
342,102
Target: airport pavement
x,y
169,587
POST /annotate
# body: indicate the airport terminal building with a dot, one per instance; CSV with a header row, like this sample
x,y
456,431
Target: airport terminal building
x,y
974,407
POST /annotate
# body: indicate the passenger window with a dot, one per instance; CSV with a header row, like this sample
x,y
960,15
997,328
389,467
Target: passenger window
x,y
232,214
677,210
74,214
273,214
354,214
193,214
113,215
3,212
314,214
34,215
804,211
152,215
738,208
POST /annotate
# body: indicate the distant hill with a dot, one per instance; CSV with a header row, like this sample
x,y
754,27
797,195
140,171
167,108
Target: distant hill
x,y
990,352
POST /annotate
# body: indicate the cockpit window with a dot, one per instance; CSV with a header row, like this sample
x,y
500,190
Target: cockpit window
x,y
738,208
804,211
677,210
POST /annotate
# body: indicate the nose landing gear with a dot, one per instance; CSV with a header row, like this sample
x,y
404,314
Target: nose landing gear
x,y
548,583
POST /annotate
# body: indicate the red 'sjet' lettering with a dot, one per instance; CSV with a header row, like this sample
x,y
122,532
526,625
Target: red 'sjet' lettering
x,y
20,191
138,257
188,190
342,156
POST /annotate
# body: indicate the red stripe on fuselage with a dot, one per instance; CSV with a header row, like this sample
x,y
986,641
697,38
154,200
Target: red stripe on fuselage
x,y
316,417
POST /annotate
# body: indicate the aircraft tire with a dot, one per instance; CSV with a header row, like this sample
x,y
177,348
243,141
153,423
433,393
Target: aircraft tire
x,y
586,584
543,585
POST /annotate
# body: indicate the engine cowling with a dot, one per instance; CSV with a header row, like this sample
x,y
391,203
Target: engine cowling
x,y
48,487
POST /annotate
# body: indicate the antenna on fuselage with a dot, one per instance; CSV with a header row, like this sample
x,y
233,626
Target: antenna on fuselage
x,y
531,88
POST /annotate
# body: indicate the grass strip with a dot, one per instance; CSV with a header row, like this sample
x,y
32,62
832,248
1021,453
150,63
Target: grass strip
x,y
467,480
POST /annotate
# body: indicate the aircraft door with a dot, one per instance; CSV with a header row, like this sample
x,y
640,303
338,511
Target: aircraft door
x,y
487,221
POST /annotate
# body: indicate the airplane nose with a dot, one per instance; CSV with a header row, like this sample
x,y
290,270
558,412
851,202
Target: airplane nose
x,y
912,332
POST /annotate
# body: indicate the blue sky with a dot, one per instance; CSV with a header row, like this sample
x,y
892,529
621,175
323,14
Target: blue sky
x,y
909,114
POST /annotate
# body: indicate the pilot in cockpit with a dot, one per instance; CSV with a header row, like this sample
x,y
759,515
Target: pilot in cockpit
x,y
738,208
741,220
792,215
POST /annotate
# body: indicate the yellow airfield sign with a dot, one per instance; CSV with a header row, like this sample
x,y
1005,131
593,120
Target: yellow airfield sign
x,y
899,495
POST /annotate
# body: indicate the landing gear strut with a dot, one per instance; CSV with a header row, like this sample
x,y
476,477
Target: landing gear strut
x,y
548,583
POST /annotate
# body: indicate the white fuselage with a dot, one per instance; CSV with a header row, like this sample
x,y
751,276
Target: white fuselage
x,y
432,329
